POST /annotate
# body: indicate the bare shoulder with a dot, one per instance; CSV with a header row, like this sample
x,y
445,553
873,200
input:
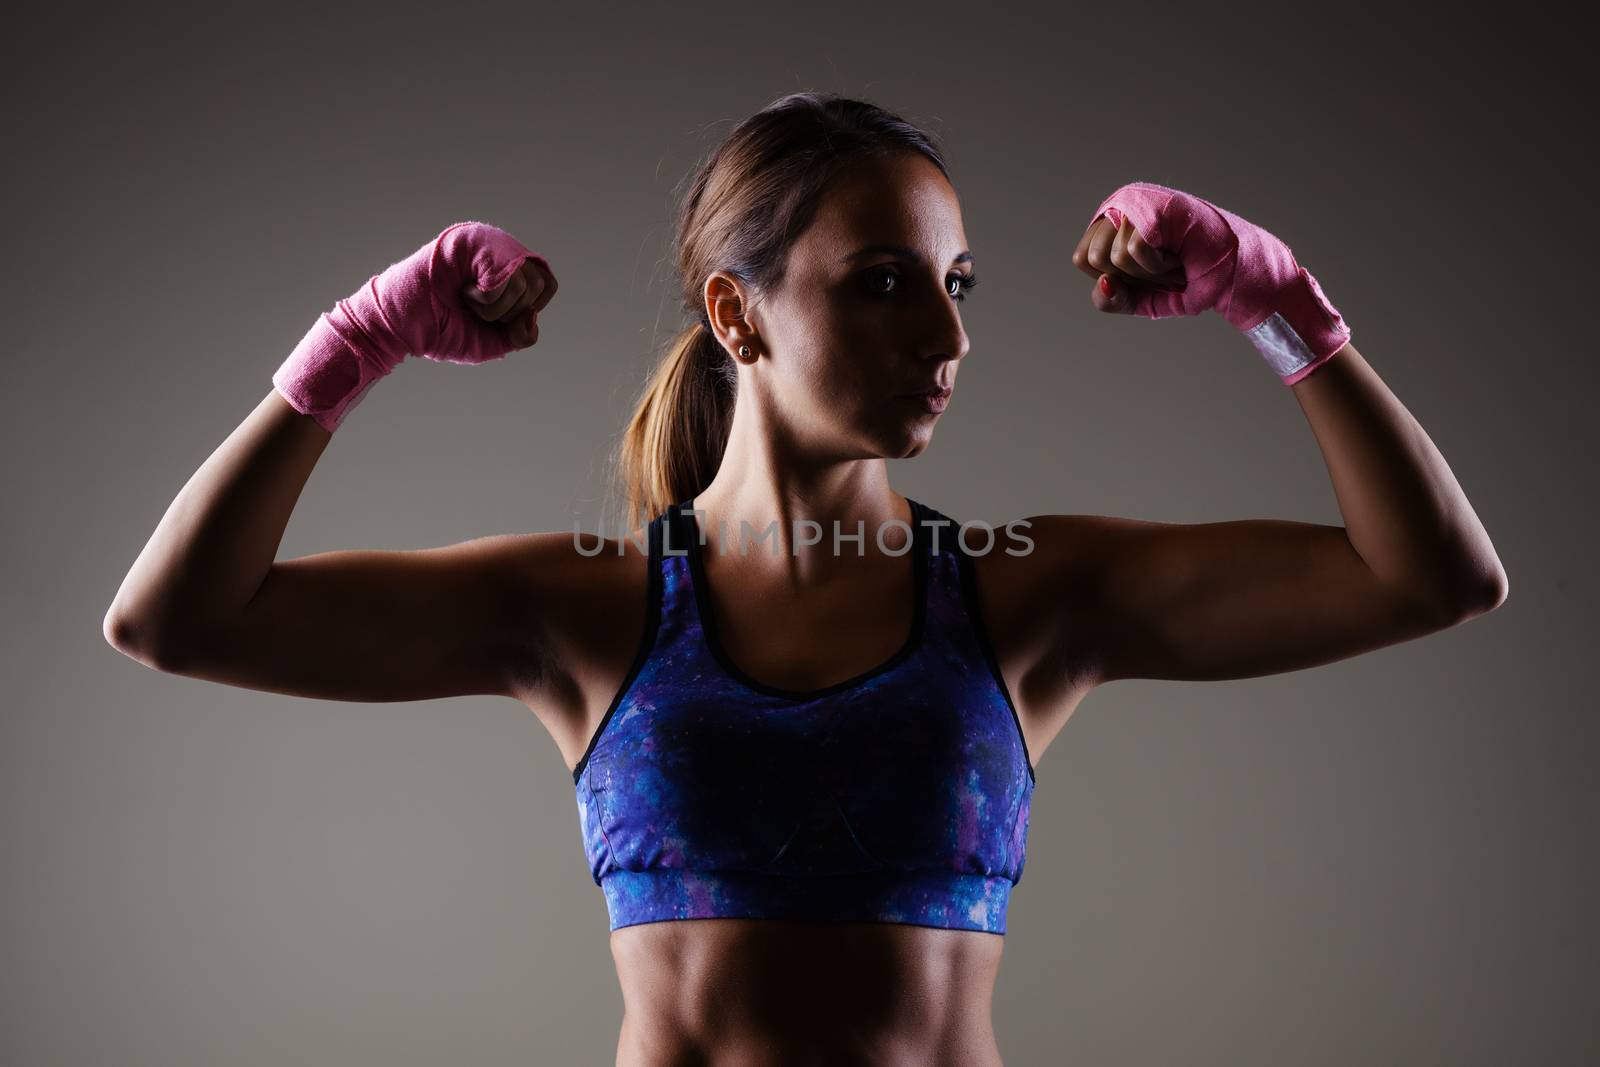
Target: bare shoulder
x,y
1038,567
583,609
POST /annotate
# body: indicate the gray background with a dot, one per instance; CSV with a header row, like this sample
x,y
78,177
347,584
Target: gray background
x,y
1383,860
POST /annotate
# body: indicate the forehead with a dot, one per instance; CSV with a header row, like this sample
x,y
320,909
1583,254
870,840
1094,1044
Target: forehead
x,y
903,199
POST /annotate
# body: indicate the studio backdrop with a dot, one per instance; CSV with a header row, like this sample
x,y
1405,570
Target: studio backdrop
x,y
1384,860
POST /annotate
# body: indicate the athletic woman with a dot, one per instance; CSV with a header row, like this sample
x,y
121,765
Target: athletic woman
x,y
803,764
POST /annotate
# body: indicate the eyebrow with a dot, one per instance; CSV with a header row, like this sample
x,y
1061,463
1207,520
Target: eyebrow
x,y
899,252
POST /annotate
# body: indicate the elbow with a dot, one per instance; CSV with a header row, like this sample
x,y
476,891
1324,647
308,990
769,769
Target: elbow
x,y
1493,590
1485,593
139,641
1502,588
119,631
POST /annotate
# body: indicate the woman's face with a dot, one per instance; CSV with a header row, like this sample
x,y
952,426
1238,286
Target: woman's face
x,y
866,315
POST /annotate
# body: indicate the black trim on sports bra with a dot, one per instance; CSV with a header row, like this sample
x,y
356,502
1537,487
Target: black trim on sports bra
x,y
980,630
647,640
687,535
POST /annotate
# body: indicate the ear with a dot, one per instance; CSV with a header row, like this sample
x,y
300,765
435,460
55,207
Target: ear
x,y
727,307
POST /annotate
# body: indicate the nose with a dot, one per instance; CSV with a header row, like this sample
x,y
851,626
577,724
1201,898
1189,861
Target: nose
x,y
946,337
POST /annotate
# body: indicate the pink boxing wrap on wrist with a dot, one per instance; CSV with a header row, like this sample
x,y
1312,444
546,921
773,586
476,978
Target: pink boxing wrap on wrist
x,y
415,307
1246,274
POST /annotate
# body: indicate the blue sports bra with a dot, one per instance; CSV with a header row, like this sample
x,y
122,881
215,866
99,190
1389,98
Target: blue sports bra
x,y
900,795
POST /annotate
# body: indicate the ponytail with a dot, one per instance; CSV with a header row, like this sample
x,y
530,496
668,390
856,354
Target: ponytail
x,y
675,440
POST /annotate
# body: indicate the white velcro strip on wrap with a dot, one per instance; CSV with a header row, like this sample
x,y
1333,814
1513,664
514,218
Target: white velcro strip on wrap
x,y
361,394
1279,345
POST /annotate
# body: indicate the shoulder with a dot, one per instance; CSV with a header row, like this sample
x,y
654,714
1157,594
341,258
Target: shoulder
x,y
1048,554
576,598
562,565
1042,588
1068,553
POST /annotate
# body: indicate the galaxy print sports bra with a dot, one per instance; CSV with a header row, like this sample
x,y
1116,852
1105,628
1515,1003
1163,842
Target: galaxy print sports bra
x,y
900,795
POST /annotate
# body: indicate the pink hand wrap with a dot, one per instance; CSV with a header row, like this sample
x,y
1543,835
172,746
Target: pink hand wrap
x,y
1249,276
415,307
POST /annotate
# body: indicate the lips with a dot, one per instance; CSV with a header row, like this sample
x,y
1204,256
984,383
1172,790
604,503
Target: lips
x,y
932,400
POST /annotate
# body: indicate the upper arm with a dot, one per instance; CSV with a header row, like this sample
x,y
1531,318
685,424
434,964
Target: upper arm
x,y
1220,600
385,625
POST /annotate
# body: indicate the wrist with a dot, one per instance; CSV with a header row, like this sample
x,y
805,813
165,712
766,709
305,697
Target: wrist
x,y
330,371
1302,331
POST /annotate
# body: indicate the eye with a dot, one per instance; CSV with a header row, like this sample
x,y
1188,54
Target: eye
x,y
963,282
957,283
879,274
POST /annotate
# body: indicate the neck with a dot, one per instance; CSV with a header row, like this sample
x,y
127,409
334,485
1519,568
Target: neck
x,y
767,478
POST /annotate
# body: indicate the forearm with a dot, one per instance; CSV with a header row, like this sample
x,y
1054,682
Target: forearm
x,y
1404,512
218,539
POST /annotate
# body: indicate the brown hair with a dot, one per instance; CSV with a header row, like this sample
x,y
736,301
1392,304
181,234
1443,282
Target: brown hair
x,y
748,201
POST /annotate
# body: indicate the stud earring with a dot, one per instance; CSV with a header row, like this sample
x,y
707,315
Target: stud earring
x,y
744,352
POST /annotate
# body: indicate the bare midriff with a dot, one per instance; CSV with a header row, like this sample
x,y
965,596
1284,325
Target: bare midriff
x,y
763,993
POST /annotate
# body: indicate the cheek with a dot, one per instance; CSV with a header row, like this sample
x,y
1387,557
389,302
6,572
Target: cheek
x,y
843,376
824,377
840,355
838,360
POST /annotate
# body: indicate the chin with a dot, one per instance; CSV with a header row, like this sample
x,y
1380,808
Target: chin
x,y
903,442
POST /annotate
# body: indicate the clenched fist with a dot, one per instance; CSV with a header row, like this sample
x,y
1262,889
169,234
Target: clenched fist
x,y
516,302
470,295
1159,252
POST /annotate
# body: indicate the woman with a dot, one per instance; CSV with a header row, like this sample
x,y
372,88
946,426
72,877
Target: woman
x,y
803,767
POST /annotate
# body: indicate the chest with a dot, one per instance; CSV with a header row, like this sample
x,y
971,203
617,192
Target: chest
x,y
918,759
783,644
